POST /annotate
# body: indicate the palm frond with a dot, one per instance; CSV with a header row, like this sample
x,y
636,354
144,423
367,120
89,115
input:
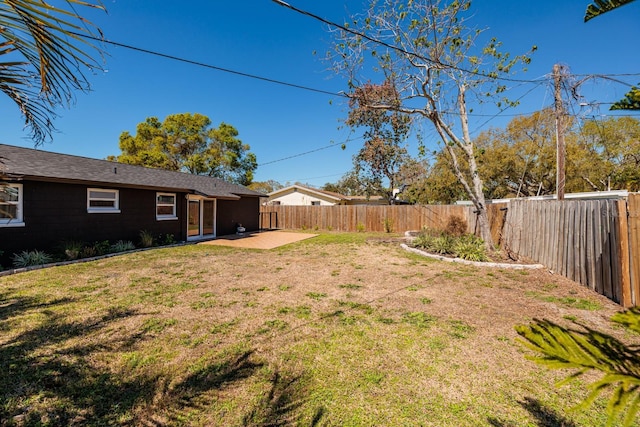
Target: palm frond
x,y
603,6
52,55
589,350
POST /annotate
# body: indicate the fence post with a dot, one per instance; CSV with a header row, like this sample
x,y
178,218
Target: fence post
x,y
634,246
626,299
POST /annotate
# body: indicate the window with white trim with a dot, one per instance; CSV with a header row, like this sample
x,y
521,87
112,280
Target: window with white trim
x,y
101,200
165,206
11,205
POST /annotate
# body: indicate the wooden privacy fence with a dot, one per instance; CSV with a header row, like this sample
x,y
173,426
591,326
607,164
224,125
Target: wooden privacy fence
x,y
398,218
593,242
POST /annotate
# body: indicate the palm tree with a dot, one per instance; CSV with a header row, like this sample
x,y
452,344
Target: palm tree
x,y
43,52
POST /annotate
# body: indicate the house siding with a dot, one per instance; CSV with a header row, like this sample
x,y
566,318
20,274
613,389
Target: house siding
x,y
301,198
245,211
57,212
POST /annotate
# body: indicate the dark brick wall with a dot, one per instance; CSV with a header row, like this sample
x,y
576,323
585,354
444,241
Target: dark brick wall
x,y
245,211
55,212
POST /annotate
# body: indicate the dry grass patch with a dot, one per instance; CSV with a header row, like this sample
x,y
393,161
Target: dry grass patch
x,y
343,329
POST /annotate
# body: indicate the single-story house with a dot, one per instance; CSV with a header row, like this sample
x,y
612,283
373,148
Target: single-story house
x,y
50,198
300,195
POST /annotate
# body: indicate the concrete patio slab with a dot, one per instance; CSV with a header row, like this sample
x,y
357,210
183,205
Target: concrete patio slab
x,y
259,240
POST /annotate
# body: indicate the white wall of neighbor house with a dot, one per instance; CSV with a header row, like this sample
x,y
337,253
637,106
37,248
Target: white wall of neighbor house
x,y
298,198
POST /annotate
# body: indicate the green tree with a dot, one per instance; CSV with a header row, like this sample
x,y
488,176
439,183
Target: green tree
x,y
187,142
265,187
42,57
612,153
379,161
436,64
350,185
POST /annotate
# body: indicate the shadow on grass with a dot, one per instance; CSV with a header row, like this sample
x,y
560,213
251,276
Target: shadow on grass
x,y
48,374
38,365
279,407
544,417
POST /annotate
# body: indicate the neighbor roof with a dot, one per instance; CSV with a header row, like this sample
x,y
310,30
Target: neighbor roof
x,y
329,194
26,163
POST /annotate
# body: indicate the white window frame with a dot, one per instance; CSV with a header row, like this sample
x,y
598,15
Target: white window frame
x,y
103,209
18,221
166,217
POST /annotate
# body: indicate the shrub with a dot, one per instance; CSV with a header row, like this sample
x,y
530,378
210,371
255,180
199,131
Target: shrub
x,y
456,226
146,239
360,227
168,239
103,247
443,244
88,252
29,258
466,246
122,246
72,249
423,240
471,249
388,225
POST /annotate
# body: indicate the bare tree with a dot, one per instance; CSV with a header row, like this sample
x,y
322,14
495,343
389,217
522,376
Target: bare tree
x,y
429,53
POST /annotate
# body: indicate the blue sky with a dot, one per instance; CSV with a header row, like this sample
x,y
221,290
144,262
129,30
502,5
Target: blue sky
x,y
262,38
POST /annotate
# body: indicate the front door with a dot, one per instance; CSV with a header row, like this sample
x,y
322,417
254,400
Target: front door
x,y
201,218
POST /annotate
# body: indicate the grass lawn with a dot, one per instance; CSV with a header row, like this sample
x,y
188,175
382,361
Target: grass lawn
x,y
338,330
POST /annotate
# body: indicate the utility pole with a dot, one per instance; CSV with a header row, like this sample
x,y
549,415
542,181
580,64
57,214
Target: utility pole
x,y
559,112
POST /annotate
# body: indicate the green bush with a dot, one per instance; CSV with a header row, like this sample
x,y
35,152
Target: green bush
x,y
443,244
122,246
466,246
471,249
168,239
388,225
29,258
103,247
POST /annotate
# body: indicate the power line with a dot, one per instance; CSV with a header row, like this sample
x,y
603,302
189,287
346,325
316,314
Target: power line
x,y
213,67
393,47
299,155
504,109
312,151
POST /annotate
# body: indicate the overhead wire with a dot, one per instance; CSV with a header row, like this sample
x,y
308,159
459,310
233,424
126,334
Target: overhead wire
x,y
293,156
537,82
393,47
213,67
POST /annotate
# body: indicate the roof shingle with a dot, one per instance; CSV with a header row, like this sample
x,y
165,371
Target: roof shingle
x,y
27,163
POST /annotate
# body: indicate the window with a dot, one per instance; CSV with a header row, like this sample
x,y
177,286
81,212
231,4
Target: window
x,y
165,206
315,203
100,200
11,205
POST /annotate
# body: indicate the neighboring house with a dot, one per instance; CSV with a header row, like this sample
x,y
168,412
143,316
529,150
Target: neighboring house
x,y
56,197
300,195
